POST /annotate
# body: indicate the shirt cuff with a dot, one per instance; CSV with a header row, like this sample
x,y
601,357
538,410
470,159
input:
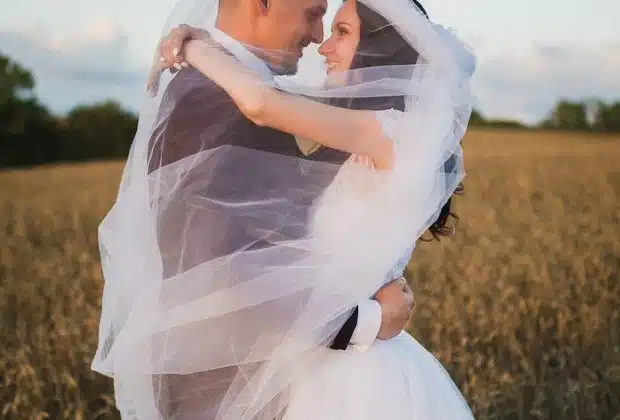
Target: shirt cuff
x,y
368,324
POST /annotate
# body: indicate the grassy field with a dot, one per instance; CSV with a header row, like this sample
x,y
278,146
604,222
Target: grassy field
x,y
522,306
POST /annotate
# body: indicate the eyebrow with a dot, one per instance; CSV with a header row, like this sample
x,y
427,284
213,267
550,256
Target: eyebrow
x,y
340,23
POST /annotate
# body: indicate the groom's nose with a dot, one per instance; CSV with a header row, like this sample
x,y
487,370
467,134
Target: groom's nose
x,y
317,32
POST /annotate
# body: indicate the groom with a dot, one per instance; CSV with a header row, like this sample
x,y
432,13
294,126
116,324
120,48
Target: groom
x,y
270,25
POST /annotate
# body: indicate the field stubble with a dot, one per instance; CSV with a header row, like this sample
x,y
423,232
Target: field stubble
x,y
522,306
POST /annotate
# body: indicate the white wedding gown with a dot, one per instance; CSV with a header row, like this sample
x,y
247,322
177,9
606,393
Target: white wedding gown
x,y
395,379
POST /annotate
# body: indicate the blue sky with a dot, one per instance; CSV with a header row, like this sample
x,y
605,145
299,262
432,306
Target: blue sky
x,y
530,52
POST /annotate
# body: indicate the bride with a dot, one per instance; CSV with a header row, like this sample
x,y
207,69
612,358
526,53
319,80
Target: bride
x,y
397,99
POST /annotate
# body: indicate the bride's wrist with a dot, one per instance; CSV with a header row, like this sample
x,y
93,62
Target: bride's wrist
x,y
200,34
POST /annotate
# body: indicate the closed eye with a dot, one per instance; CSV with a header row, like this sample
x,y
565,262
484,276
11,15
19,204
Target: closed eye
x,y
342,30
315,13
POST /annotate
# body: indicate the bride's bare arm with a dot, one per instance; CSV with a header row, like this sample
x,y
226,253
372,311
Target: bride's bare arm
x,y
354,131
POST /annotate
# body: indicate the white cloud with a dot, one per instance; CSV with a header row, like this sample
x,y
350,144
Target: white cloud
x,y
99,32
89,64
526,84
96,62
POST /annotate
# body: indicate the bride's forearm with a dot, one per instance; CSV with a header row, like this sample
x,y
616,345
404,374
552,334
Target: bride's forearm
x,y
353,131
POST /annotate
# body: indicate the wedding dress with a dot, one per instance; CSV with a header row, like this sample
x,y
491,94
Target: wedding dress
x,y
396,379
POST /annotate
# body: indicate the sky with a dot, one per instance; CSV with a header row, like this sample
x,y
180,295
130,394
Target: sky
x,y
530,52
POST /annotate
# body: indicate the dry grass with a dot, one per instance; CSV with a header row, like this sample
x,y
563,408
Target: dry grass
x,y
522,306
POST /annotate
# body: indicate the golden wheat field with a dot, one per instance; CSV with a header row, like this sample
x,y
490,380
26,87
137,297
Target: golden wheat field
x,y
522,306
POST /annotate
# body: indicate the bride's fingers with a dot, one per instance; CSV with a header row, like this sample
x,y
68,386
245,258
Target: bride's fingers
x,y
166,48
170,50
170,56
174,64
177,38
166,63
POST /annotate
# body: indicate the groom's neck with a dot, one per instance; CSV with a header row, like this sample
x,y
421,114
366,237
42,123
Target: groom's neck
x,y
229,24
237,22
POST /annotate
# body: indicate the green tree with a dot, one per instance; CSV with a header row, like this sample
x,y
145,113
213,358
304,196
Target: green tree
x,y
14,80
28,132
102,130
607,117
568,116
476,118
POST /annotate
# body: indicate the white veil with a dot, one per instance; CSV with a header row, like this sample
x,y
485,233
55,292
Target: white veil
x,y
229,267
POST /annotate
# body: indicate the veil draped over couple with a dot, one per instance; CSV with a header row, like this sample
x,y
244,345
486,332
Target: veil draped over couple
x,y
254,255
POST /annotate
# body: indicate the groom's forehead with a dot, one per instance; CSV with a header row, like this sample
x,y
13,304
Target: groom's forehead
x,y
320,6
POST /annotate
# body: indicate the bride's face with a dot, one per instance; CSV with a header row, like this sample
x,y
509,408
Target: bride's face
x,y
341,46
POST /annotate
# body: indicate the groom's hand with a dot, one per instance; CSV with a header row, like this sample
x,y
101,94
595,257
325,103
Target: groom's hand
x,y
396,300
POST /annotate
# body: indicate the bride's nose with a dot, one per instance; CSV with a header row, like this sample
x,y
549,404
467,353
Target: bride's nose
x,y
325,47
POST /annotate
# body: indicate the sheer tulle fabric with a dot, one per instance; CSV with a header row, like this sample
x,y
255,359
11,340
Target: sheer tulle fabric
x,y
229,271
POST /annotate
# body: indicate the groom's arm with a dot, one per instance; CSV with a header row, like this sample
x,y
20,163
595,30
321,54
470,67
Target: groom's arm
x,y
383,317
368,324
361,328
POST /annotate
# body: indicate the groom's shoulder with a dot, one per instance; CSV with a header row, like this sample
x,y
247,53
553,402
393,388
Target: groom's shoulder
x,y
190,86
191,116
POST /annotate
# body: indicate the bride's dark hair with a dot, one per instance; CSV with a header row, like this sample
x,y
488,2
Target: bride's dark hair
x,y
380,44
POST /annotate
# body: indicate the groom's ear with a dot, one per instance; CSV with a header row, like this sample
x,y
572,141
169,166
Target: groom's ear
x,y
263,6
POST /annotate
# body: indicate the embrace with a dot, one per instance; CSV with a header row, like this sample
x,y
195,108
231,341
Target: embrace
x,y
254,257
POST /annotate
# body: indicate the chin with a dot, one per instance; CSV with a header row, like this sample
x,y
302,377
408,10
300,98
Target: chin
x,y
285,69
284,64
290,67
333,68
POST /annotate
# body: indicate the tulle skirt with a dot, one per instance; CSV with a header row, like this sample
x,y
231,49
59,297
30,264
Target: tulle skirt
x,y
395,379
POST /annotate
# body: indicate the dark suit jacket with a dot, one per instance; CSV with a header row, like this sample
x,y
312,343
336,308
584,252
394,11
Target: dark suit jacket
x,y
205,117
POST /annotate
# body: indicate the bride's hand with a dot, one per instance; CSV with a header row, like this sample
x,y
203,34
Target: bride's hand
x,y
171,47
170,54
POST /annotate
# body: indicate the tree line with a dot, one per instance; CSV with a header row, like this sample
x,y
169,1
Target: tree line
x,y
31,135
566,115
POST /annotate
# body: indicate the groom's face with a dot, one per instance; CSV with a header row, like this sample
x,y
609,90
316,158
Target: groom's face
x,y
286,27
